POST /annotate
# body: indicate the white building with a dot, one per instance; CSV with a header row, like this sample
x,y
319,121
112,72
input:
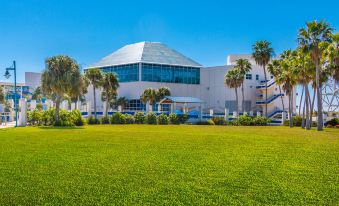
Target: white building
x,y
153,65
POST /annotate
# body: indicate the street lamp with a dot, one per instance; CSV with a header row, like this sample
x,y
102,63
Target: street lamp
x,y
8,75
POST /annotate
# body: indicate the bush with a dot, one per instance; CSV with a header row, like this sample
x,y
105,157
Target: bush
x,y
34,117
182,118
297,120
39,106
139,118
129,119
173,118
118,118
333,122
162,119
77,118
48,117
243,120
104,120
261,121
218,120
92,120
151,118
208,122
65,119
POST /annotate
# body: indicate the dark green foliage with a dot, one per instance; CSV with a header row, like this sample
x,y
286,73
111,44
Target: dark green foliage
x,y
162,119
182,118
246,120
151,118
297,120
129,119
39,106
93,120
77,118
104,120
34,117
118,118
333,122
261,121
48,117
173,119
139,118
218,120
208,122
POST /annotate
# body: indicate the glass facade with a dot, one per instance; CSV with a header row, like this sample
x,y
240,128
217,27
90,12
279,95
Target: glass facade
x,y
170,74
135,105
125,73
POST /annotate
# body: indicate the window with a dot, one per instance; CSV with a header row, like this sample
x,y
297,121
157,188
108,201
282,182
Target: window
x,y
257,77
125,73
170,74
249,76
135,105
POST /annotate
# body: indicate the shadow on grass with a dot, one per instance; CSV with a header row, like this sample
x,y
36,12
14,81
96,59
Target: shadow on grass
x,y
61,128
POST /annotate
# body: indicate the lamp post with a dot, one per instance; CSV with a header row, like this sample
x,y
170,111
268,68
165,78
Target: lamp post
x,y
8,75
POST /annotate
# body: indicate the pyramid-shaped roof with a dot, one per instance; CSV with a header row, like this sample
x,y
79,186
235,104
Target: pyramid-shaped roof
x,y
146,52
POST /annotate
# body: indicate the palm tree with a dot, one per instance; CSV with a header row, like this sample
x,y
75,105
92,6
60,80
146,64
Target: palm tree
x,y
287,79
233,79
78,93
262,54
60,77
162,92
331,57
2,95
94,75
37,94
310,39
149,95
274,68
244,66
110,86
122,101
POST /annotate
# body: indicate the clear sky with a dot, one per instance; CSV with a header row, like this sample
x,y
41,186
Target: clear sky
x,y
205,31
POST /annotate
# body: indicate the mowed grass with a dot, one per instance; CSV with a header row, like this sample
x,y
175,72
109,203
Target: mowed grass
x,y
168,165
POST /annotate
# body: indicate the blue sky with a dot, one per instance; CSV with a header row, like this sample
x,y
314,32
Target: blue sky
x,y
205,31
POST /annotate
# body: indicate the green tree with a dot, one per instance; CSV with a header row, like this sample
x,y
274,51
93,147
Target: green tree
x,y
331,57
162,92
275,69
95,77
233,79
110,87
310,39
37,94
122,101
60,77
2,95
244,66
149,95
262,54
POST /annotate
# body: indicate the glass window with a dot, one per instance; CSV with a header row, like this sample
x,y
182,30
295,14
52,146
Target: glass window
x,y
125,73
249,76
170,74
257,77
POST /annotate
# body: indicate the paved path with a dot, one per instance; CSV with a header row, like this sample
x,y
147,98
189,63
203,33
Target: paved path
x,y
7,125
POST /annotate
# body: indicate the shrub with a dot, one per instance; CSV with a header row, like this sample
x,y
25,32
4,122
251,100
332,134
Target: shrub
x,y
173,118
104,120
139,118
208,122
297,120
151,118
92,120
333,122
218,120
48,117
129,119
77,118
118,118
39,106
182,118
65,119
162,119
244,120
261,121
34,117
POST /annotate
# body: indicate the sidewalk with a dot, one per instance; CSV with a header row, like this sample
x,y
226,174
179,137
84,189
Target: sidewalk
x,y
8,125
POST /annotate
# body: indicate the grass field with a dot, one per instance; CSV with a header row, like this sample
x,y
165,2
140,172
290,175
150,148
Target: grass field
x,y
169,165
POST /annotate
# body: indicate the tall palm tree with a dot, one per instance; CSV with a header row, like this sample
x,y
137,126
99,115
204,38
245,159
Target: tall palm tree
x,y
79,92
122,101
331,57
60,77
262,54
288,80
274,68
149,95
37,94
310,39
244,66
233,79
162,92
94,75
110,87
2,95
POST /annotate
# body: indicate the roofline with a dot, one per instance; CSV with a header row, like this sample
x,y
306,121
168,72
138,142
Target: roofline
x,y
145,62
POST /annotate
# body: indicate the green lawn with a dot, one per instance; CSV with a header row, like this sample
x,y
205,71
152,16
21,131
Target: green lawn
x,y
169,165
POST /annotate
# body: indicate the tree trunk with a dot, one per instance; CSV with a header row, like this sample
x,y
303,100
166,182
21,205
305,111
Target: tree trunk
x,y
289,110
312,105
307,99
319,97
94,102
301,98
243,98
264,67
106,108
303,117
282,99
57,109
237,101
